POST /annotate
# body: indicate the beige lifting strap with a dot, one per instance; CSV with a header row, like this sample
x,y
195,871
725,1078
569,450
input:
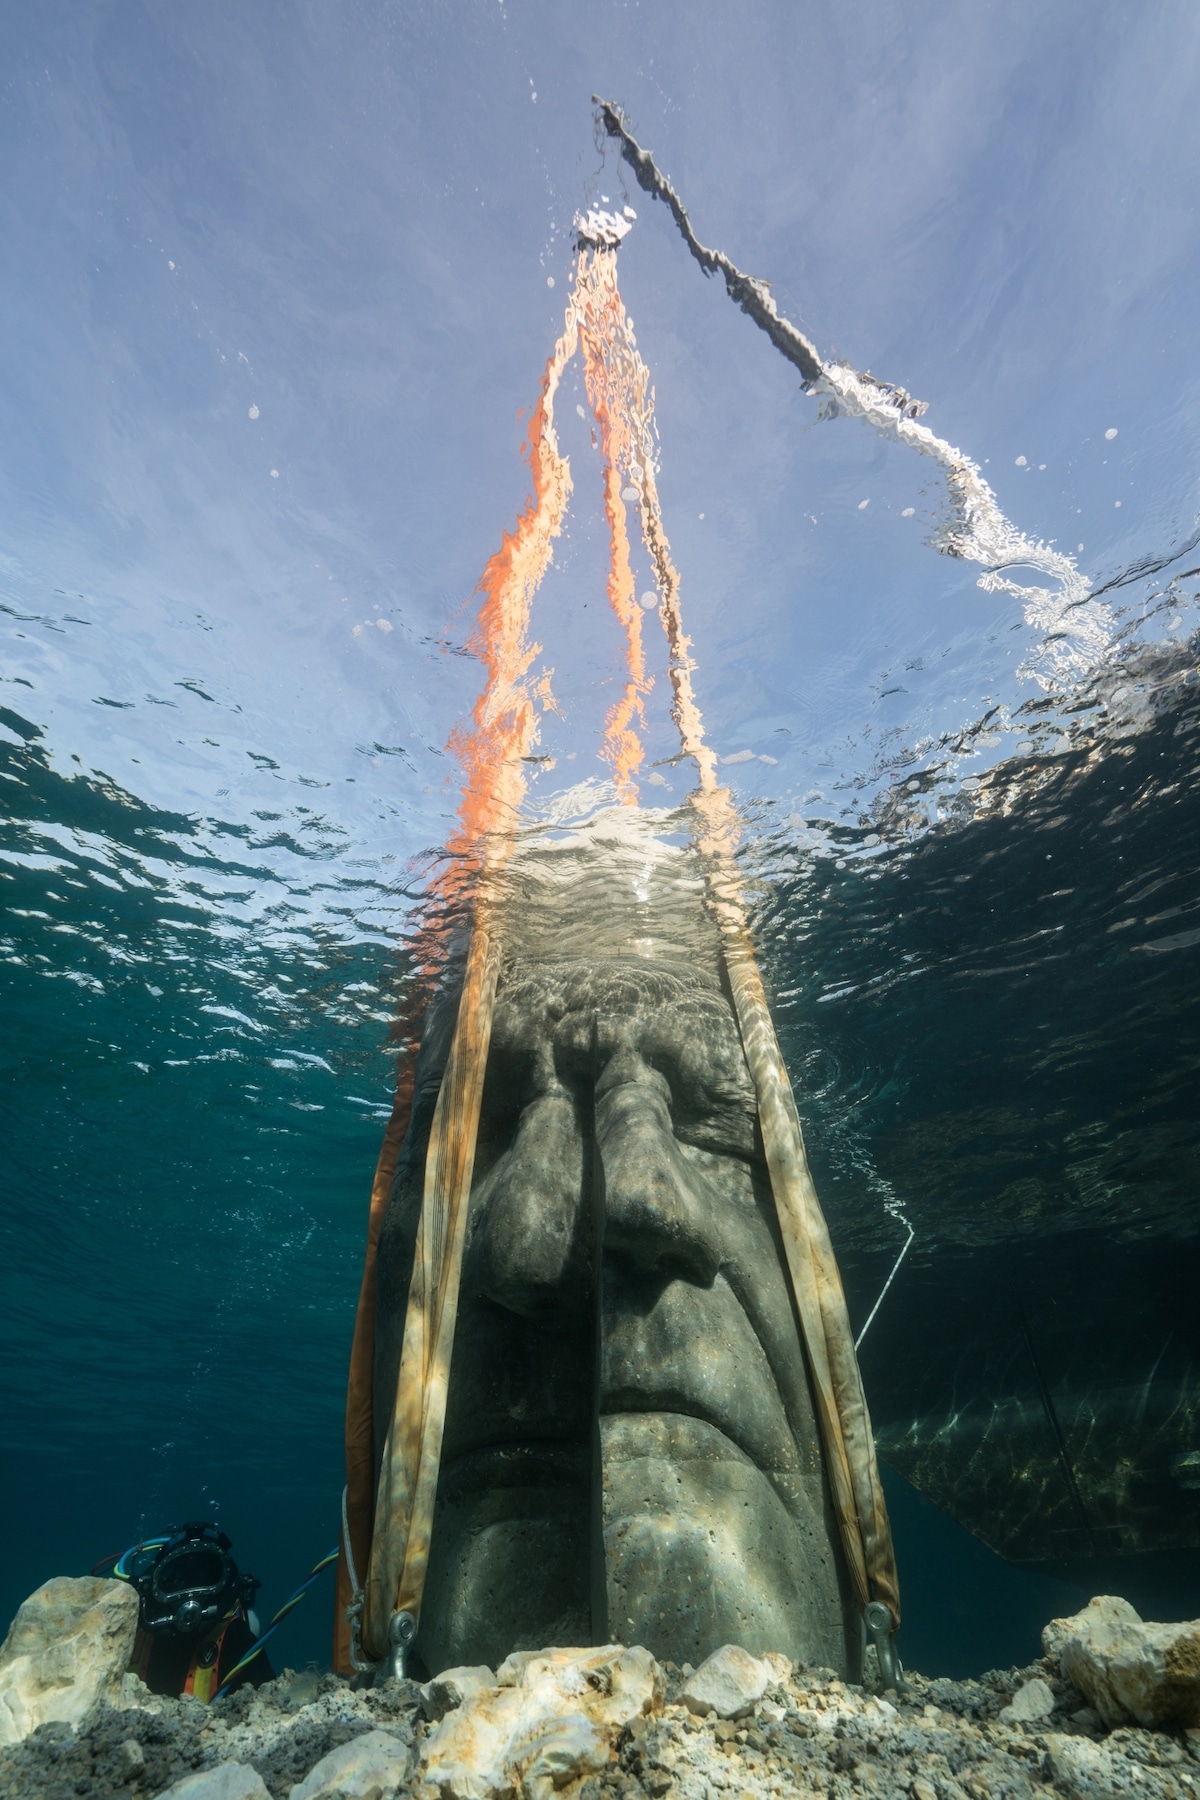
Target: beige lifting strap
x,y
838,1396
412,1453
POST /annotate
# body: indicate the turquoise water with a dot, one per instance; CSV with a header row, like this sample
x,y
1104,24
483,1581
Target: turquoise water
x,y
191,1120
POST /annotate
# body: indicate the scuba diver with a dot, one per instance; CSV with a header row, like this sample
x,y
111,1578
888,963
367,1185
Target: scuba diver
x,y
196,1622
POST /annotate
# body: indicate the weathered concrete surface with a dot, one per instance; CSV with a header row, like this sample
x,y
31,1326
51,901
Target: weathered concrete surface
x,y
1130,1671
67,1649
619,1179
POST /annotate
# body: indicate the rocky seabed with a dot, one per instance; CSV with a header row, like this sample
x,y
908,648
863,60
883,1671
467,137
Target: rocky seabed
x,y
1111,1709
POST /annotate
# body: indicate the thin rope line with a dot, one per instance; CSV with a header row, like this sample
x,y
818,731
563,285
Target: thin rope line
x,y
887,1284
350,1569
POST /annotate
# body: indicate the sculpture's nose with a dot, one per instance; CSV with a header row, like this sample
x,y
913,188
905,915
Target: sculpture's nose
x,y
657,1211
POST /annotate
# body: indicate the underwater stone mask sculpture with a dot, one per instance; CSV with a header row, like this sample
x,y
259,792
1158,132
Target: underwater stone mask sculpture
x,y
630,1448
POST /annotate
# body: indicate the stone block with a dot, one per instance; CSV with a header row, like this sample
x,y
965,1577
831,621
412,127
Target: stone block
x,y
1033,1701
728,1683
370,1767
1137,1673
553,1717
1104,1609
67,1650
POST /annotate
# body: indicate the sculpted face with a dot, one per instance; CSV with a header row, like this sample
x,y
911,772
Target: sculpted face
x,y
630,1449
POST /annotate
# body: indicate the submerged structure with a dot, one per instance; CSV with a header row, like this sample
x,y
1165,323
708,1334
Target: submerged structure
x,y
631,1449
603,1383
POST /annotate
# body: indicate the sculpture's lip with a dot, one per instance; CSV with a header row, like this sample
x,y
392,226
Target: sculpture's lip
x,y
553,1463
629,1404
695,1351
515,1462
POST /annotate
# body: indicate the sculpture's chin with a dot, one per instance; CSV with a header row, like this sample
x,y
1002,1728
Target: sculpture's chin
x,y
510,1562
702,1551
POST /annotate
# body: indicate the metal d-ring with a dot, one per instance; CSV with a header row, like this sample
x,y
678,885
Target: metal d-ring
x,y
401,1632
878,1621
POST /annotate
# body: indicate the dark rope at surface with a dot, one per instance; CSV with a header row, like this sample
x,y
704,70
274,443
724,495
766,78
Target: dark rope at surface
x,y
751,295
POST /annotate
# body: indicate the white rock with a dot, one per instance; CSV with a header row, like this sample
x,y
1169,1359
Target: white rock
x,y
231,1781
1105,1608
728,1683
1130,1671
370,1767
67,1649
779,1667
553,1716
1033,1701
452,1687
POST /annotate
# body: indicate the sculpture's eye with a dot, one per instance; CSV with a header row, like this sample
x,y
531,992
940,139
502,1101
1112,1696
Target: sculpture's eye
x,y
695,1048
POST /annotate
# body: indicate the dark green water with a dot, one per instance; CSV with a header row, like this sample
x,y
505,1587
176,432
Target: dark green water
x,y
992,1021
